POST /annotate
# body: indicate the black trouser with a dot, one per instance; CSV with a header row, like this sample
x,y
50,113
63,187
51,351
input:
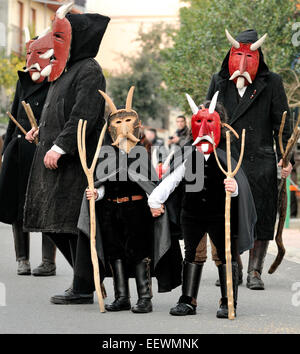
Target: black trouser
x,y
126,229
194,229
22,243
67,244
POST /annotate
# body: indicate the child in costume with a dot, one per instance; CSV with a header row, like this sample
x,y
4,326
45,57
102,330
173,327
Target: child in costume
x,y
203,210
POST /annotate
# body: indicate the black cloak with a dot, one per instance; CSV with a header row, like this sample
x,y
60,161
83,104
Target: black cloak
x,y
245,204
259,111
18,152
54,196
167,258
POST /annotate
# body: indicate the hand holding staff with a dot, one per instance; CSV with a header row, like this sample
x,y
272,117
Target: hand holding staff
x,y
31,118
89,172
229,174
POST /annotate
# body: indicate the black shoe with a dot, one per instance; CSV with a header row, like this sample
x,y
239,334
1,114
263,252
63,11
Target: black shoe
x,y
223,309
24,268
182,309
70,298
45,269
142,306
254,281
120,304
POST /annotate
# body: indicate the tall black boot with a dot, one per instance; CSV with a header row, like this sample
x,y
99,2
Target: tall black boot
x,y
121,287
47,267
144,288
191,276
255,267
22,242
223,310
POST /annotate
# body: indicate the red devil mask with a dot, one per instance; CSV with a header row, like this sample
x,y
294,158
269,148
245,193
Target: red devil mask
x,y
61,34
243,61
39,52
206,125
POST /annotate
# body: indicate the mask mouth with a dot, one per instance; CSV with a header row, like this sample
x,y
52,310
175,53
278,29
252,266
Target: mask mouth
x,y
238,74
206,138
33,67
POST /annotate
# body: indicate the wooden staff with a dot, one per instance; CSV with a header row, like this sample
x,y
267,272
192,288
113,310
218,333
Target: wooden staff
x,y
282,194
31,117
229,174
89,172
16,123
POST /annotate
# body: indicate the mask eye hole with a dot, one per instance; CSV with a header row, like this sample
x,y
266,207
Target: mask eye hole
x,y
128,120
198,121
118,121
239,53
209,120
249,55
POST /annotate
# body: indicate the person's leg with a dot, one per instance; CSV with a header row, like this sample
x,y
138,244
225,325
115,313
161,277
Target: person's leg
x,y
255,266
62,242
191,270
217,235
22,244
47,267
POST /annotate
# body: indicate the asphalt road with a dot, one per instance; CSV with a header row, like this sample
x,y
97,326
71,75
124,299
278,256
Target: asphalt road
x,y
28,310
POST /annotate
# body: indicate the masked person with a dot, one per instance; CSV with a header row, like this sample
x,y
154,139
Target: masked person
x,y
18,155
254,99
128,242
203,209
57,180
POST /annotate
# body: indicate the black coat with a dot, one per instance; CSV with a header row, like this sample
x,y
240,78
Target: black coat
x,y
244,213
259,111
54,196
166,256
18,152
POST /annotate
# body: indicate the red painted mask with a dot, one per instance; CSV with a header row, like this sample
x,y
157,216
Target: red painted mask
x,y
243,61
206,126
61,35
39,53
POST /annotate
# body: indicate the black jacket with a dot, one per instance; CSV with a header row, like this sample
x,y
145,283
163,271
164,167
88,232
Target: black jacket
x,y
18,152
54,196
259,111
166,256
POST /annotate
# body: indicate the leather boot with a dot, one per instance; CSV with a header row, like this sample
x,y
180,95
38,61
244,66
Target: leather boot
x,y
223,310
21,240
121,287
144,288
255,267
47,267
240,265
191,276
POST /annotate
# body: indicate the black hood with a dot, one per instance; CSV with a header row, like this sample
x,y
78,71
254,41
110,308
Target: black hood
x,y
248,36
87,33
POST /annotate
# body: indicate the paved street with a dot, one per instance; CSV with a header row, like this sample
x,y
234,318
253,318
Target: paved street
x,y
28,310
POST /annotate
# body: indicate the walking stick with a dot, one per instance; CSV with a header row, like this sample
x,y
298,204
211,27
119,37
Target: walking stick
x,y
282,194
31,117
16,123
89,172
229,174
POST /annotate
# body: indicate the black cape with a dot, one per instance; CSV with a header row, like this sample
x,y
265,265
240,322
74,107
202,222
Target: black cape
x,y
18,152
246,209
167,258
54,196
259,111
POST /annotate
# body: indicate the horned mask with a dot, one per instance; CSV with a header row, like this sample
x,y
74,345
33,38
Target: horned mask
x,y
123,124
243,60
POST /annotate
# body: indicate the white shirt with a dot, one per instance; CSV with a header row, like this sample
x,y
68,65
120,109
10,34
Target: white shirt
x,y
162,192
